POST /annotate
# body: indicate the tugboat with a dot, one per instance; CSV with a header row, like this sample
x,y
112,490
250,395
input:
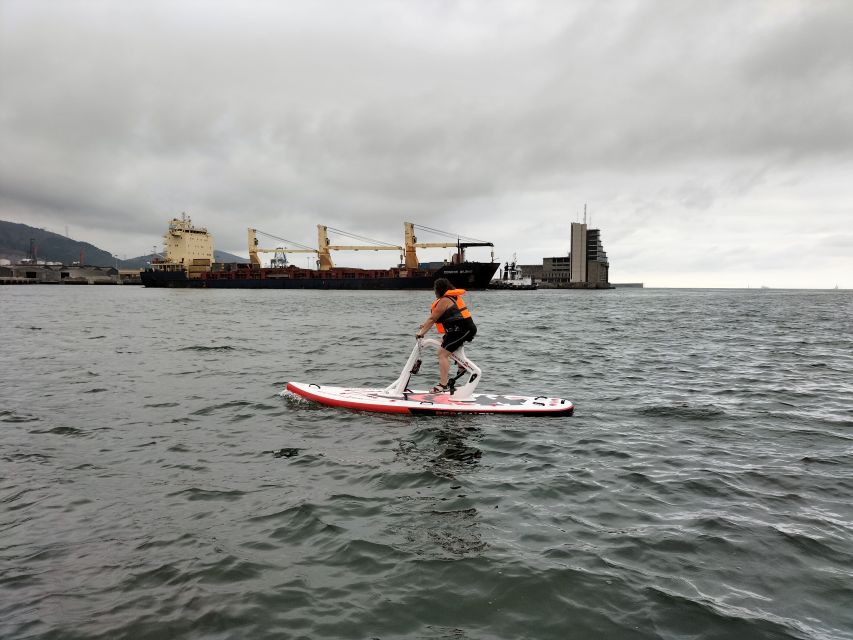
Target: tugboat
x,y
512,278
188,262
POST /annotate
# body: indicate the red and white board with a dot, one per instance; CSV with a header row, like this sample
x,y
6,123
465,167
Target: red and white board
x,y
425,403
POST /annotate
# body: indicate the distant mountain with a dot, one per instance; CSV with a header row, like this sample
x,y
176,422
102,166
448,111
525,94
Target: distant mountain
x,y
141,262
222,256
52,247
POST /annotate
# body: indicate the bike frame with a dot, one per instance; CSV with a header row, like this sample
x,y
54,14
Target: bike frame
x,y
400,386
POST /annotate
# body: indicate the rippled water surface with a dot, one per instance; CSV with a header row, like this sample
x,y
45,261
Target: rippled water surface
x,y
153,483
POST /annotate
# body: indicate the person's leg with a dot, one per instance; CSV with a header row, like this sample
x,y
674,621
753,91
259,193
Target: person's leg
x,y
452,341
443,365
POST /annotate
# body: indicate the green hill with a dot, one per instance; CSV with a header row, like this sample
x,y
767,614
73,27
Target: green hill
x,y
52,247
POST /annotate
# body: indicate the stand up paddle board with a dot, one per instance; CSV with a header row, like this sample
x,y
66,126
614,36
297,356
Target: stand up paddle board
x,y
430,404
398,398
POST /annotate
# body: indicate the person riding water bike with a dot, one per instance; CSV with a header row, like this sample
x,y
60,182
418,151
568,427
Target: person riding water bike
x,y
451,318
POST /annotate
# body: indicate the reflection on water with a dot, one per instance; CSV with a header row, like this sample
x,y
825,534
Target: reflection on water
x,y
454,447
443,450
446,524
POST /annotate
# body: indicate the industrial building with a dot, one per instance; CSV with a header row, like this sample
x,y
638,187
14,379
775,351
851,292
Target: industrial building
x,y
585,267
46,273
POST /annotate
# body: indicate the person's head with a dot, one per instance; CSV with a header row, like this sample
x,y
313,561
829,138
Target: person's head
x,y
441,286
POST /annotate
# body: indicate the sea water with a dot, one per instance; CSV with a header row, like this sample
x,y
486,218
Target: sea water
x,y
154,484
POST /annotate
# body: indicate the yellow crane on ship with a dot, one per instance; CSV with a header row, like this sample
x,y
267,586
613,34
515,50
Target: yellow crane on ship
x,y
324,255
408,252
279,251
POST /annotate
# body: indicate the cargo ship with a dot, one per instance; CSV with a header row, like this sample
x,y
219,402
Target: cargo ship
x,y
187,261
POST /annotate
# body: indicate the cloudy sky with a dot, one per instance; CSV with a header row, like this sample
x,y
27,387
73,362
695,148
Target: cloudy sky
x,y
711,141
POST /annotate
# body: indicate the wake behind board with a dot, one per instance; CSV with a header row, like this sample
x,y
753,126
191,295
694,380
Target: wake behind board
x,y
425,403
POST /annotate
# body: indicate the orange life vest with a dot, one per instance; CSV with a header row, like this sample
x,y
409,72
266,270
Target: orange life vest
x,y
457,312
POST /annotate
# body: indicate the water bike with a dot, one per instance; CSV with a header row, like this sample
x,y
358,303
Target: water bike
x,y
460,398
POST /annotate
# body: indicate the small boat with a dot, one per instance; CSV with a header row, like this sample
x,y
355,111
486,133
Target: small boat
x,y
510,277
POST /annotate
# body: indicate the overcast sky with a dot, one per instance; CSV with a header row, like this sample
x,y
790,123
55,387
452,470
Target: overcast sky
x,y
711,141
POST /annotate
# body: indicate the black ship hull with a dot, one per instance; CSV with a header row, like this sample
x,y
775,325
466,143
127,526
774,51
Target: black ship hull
x,y
466,275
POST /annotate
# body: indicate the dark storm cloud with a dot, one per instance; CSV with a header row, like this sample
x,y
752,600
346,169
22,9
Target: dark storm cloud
x,y
365,114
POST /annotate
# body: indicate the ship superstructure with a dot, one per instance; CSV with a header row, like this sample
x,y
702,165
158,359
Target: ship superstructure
x,y
186,249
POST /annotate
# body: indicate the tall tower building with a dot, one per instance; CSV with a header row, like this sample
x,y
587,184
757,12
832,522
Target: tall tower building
x,y
586,266
597,266
578,252
589,265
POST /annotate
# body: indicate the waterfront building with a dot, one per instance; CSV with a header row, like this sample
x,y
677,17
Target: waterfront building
x,y
585,267
55,273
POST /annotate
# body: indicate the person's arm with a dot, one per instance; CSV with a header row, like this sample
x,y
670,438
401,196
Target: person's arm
x,y
440,308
